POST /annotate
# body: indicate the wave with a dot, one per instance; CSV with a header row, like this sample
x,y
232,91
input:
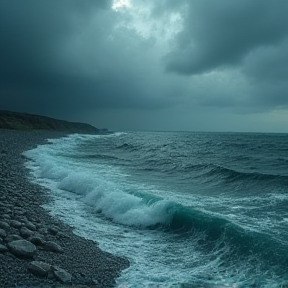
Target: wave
x,y
128,206
147,161
122,204
128,147
231,175
211,172
115,203
145,211
100,187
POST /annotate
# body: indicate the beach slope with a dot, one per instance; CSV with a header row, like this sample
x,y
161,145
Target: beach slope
x,y
37,250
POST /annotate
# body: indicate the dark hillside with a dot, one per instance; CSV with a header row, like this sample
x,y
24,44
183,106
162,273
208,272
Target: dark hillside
x,y
23,121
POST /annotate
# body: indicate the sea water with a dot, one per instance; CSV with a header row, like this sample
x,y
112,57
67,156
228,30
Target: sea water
x,y
186,209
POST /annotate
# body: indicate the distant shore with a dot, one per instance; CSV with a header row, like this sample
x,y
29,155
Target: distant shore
x,y
37,250
23,121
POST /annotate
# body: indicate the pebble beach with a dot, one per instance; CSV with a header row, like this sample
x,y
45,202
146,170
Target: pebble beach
x,y
37,250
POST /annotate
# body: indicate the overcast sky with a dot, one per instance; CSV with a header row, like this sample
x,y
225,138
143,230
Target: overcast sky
x,y
198,65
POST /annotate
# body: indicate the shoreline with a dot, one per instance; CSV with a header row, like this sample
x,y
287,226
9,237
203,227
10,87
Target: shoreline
x,y
22,217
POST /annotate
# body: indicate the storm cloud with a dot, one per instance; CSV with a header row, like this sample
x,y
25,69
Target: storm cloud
x,y
147,64
222,33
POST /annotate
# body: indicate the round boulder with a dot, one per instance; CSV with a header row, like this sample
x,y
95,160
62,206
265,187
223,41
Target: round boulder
x,y
22,248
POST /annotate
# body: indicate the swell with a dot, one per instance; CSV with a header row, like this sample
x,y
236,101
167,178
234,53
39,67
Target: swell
x,y
116,203
159,158
216,231
231,175
210,172
128,147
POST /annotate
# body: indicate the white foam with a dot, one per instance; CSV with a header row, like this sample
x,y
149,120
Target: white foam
x,y
107,196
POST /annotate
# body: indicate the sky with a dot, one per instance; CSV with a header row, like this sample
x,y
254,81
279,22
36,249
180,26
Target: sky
x,y
168,65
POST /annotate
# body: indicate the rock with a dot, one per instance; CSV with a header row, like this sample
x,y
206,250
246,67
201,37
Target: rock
x,y
36,240
42,231
30,226
4,225
15,223
19,212
53,230
39,268
18,204
61,235
22,248
25,232
6,216
62,275
13,237
2,233
52,246
3,248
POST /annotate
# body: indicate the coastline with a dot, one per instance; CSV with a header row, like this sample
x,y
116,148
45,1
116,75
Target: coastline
x,y
21,215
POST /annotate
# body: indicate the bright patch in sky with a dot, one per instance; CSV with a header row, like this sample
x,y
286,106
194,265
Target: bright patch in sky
x,y
119,4
139,17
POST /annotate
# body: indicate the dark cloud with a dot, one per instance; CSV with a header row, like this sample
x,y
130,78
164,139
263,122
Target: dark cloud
x,y
268,63
74,58
30,37
267,72
248,35
66,55
221,33
32,29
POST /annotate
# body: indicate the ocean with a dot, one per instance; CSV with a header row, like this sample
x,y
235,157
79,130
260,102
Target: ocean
x,y
187,209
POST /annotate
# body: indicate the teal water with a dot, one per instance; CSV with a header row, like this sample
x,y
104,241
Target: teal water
x,y
187,209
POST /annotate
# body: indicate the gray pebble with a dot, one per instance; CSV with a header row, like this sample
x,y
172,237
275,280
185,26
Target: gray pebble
x,y
39,268
52,246
53,230
6,216
62,275
13,237
2,233
42,231
4,225
25,232
36,240
30,226
20,212
15,224
3,248
62,235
